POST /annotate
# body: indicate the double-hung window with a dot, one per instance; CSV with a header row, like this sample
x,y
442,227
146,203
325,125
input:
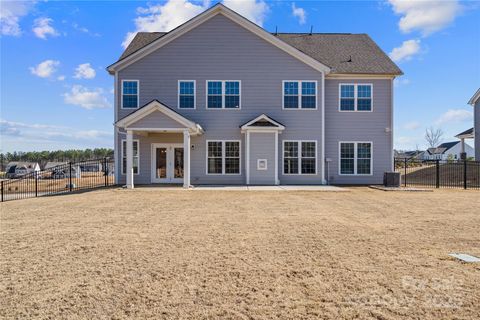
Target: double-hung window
x,y
223,94
135,156
186,94
223,157
355,97
130,90
355,158
299,157
299,94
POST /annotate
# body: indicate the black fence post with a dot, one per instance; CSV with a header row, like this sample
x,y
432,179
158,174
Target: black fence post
x,y
465,174
105,170
437,175
70,176
405,175
36,184
2,190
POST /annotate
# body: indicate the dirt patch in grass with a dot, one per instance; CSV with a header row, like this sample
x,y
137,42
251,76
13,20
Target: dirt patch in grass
x,y
241,255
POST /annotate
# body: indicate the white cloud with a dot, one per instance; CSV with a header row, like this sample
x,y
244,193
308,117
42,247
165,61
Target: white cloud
x,y
32,135
10,14
42,28
455,115
45,69
79,28
253,10
425,16
406,51
84,71
413,125
163,17
85,98
171,14
61,78
299,13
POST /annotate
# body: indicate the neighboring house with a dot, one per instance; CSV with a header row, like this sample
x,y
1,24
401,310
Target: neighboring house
x,y
90,166
475,131
410,154
61,170
448,151
53,164
16,169
219,100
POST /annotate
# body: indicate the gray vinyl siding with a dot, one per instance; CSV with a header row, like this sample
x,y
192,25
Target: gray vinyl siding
x,y
262,146
359,126
477,129
220,49
156,119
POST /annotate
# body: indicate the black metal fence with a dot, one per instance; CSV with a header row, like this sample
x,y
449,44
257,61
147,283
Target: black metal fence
x,y
439,173
64,178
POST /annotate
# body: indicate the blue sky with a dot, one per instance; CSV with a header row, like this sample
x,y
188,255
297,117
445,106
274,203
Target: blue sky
x,y
56,94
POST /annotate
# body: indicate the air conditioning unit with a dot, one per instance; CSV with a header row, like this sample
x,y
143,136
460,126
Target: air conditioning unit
x,y
391,179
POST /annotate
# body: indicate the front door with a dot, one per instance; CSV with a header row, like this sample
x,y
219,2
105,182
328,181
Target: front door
x,y
167,163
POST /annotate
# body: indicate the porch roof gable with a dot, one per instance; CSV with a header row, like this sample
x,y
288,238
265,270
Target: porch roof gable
x,y
157,106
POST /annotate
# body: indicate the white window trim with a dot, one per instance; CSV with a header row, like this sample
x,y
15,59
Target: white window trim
x,y
300,95
121,156
355,158
223,94
138,94
223,158
299,157
194,94
355,96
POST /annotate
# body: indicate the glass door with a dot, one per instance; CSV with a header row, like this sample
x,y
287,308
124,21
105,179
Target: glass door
x,y
161,163
178,164
167,163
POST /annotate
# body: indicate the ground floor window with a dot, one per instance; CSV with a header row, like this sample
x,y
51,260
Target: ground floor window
x,y
299,157
355,158
136,156
223,157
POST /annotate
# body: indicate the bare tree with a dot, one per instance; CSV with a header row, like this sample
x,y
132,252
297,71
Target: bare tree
x,y
433,136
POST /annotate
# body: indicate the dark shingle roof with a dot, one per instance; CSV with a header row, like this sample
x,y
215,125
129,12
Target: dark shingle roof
x,y
448,145
140,40
343,53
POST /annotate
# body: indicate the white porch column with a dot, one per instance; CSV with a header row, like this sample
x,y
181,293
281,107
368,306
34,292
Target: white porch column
x,y
277,182
247,151
186,160
129,159
463,145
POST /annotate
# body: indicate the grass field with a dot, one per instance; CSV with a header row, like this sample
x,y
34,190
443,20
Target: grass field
x,y
153,253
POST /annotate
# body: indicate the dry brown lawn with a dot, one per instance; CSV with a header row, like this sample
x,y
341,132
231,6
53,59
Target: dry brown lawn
x,y
153,253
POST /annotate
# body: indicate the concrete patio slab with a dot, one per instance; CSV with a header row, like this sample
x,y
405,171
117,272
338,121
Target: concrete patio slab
x,y
271,188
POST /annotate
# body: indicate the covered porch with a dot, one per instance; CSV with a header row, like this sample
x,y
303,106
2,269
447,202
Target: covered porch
x,y
467,134
162,137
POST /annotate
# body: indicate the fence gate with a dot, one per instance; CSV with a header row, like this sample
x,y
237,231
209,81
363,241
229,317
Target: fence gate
x,y
439,173
64,178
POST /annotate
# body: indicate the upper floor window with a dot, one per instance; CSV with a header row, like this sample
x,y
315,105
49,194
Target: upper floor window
x,y
299,94
355,158
223,94
355,97
186,94
299,157
130,90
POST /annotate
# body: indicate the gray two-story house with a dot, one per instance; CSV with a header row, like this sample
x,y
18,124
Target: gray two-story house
x,y
219,100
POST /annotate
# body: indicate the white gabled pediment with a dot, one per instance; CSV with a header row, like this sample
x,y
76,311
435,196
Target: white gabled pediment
x,y
159,116
205,16
263,122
